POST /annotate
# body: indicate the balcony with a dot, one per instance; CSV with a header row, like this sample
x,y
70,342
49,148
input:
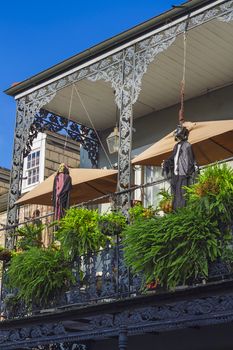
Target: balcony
x,y
111,271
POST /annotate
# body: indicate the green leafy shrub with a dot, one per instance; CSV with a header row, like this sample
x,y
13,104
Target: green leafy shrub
x,y
79,232
30,235
112,223
178,247
213,193
40,275
175,248
165,204
138,212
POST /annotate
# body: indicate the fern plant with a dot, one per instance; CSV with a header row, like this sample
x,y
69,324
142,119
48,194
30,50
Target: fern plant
x,y
30,235
39,275
79,232
213,193
138,212
174,248
179,246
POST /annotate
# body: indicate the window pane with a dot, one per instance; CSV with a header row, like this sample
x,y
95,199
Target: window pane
x,y
33,162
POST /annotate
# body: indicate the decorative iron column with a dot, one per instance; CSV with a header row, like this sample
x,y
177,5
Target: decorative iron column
x,y
125,125
123,338
25,114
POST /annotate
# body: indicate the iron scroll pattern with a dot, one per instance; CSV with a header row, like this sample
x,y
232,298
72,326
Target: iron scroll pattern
x,y
24,118
47,121
197,312
181,314
124,71
104,277
111,69
62,346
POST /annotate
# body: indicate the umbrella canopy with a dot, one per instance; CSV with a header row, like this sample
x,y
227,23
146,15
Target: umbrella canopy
x,y
87,184
212,141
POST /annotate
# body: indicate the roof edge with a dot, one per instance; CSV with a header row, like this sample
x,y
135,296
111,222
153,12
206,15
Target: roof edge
x,y
106,45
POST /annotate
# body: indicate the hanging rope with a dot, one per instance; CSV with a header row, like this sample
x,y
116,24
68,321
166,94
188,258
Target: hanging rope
x,y
89,118
181,111
69,115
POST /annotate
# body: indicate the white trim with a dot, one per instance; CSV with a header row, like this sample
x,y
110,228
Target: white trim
x,y
117,49
42,158
38,145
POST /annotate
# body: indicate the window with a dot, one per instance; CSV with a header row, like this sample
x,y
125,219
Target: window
x,y
151,174
33,168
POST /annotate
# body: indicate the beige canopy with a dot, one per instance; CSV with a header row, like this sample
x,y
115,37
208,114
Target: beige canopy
x,y
87,184
212,141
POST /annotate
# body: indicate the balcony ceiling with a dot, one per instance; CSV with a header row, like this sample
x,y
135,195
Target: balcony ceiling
x,y
209,66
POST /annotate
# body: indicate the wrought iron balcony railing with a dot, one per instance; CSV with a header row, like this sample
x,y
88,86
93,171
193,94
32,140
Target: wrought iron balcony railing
x,y
104,277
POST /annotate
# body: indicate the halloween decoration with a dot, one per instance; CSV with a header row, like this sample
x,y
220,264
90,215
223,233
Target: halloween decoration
x,y
61,191
180,165
87,185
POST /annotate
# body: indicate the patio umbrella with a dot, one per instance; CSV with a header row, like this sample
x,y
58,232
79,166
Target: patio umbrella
x,y
87,184
212,141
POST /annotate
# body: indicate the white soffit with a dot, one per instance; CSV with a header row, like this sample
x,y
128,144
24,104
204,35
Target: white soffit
x,y
209,66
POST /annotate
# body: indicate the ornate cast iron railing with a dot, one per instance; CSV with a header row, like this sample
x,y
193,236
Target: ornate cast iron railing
x,y
104,277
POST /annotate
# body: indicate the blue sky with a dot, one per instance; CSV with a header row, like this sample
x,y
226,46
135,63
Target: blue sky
x,y
38,34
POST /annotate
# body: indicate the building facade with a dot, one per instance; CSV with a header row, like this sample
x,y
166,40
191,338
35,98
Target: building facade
x,y
138,71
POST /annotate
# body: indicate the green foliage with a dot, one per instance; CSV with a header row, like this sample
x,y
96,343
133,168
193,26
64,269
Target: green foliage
x,y
30,235
79,232
165,203
173,248
112,223
213,193
5,254
178,247
40,275
138,212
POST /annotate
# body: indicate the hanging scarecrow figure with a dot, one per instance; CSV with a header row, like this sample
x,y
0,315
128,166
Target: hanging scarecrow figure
x,y
181,166
61,191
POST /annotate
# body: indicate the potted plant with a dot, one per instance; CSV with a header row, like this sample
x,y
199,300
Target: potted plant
x,y
79,233
213,193
30,235
180,247
39,275
165,203
138,212
112,223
